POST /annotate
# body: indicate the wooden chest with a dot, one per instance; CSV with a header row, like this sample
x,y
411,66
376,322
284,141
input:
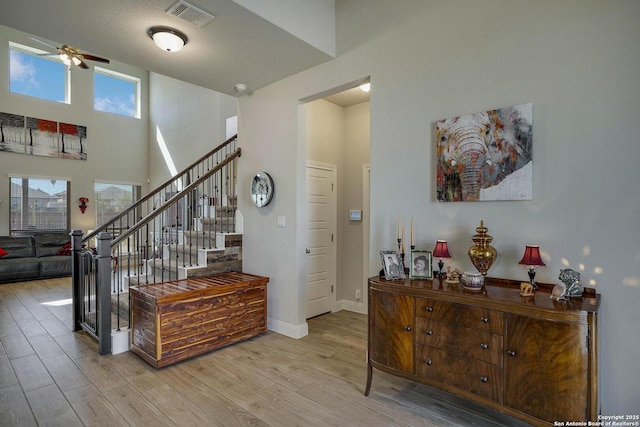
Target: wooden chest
x,y
173,321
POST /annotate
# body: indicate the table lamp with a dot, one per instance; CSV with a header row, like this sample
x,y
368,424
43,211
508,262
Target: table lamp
x,y
441,251
532,259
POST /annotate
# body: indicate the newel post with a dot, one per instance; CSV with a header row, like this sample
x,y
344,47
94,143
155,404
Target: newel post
x,y
76,280
103,285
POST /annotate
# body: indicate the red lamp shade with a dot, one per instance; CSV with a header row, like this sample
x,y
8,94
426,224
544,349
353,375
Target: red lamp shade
x,y
441,250
531,256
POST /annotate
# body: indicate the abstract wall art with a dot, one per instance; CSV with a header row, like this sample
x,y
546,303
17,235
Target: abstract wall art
x,y
42,137
12,134
73,141
485,156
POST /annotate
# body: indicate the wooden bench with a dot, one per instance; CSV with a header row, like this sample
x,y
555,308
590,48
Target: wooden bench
x,y
173,321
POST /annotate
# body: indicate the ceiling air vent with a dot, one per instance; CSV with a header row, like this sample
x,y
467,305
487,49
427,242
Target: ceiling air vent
x,y
190,13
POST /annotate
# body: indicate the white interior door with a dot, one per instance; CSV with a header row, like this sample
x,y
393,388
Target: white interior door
x,y
321,209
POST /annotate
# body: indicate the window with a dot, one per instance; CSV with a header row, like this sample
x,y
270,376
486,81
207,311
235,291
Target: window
x,y
39,204
116,93
113,199
43,77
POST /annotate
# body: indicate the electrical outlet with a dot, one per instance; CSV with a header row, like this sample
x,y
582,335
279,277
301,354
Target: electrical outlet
x,y
357,294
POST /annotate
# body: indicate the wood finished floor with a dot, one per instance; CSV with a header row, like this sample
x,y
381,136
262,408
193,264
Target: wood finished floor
x,y
52,376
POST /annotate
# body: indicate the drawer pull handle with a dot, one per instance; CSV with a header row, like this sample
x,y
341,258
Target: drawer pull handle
x,y
484,346
407,328
511,353
484,319
484,379
429,309
429,362
429,332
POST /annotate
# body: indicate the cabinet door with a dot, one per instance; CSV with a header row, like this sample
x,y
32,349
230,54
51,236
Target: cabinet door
x,y
391,325
546,368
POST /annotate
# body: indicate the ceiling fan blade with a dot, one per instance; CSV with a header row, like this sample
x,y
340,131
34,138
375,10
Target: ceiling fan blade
x,y
82,64
49,54
94,58
44,43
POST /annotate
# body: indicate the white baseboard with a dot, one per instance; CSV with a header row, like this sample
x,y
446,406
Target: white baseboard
x,y
302,330
358,307
287,329
120,340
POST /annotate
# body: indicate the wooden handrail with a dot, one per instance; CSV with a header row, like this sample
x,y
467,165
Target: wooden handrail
x,y
151,194
143,221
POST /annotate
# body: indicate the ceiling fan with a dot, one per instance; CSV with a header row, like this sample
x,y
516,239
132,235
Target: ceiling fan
x,y
71,55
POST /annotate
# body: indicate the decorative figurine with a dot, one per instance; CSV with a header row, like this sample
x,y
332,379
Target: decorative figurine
x,y
571,285
453,276
558,292
572,282
526,289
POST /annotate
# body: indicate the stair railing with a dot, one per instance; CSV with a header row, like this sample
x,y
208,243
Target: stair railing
x,y
156,240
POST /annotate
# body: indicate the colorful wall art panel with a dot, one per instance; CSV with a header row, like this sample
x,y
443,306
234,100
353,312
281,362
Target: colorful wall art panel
x,y
12,135
42,137
73,141
485,156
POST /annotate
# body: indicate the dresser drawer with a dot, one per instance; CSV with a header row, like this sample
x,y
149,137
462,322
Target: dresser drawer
x,y
465,315
470,342
465,373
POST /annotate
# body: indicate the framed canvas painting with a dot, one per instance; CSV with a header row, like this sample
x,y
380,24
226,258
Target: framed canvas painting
x,y
485,156
12,133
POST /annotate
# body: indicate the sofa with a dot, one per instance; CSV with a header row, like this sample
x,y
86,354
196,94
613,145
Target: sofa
x,y
35,256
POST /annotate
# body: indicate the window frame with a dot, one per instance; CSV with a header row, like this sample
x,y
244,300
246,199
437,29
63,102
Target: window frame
x,y
136,193
35,52
119,76
67,214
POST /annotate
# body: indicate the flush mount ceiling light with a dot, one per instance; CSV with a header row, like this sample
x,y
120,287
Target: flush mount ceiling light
x,y
167,38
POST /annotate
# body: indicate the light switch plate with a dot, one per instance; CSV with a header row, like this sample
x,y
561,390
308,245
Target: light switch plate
x,y
281,221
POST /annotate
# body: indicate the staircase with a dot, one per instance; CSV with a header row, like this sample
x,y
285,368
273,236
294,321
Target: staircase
x,y
196,253
187,227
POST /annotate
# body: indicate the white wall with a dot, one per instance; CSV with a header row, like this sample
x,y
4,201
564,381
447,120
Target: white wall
x,y
117,145
356,153
577,62
188,119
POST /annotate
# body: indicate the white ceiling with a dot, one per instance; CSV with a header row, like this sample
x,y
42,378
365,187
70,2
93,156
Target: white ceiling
x,y
238,46
348,97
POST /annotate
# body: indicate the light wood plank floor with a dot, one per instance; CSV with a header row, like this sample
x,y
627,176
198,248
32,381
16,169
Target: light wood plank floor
x,y
52,376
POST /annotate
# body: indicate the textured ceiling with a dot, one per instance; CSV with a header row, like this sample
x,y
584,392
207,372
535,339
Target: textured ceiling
x,y
238,46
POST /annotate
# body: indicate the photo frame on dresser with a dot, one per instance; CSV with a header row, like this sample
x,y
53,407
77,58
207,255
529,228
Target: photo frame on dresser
x,y
392,265
421,264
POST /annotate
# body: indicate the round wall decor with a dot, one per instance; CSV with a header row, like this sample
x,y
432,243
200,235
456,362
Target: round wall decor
x,y
262,189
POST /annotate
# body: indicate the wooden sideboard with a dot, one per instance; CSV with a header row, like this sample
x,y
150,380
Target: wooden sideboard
x,y
531,357
173,321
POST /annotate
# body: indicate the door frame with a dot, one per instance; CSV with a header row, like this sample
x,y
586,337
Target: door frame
x,y
366,223
332,273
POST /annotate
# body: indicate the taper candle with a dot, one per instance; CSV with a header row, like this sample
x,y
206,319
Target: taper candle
x,y
412,239
399,216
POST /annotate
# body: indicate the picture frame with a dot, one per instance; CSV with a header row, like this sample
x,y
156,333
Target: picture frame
x,y
392,265
421,266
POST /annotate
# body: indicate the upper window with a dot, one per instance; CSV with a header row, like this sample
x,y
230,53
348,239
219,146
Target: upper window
x,y
116,93
33,74
39,204
113,199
